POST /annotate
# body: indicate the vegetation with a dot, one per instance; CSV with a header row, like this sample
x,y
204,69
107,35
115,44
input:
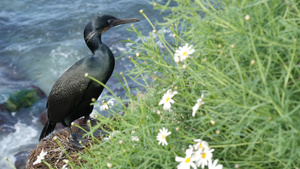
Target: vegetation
x,y
243,72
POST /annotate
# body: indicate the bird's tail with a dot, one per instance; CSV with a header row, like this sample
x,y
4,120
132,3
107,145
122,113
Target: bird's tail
x,y
48,128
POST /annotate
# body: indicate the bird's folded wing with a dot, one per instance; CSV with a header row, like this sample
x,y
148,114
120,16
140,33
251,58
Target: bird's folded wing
x,y
66,94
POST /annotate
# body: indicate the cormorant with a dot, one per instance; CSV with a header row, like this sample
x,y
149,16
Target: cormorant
x,y
71,95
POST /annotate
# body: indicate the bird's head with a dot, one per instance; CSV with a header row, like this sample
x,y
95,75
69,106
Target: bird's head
x,y
100,24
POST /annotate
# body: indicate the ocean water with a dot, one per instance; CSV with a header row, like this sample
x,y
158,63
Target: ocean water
x,y
39,40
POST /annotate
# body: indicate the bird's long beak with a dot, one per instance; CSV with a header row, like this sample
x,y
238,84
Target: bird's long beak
x,y
116,22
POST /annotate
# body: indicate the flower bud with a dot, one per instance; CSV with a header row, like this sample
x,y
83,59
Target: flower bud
x,y
247,17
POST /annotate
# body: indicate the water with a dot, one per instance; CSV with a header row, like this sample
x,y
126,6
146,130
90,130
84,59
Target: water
x,y
41,39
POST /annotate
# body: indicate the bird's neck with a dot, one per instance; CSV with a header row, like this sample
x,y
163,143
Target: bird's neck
x,y
99,49
103,51
95,43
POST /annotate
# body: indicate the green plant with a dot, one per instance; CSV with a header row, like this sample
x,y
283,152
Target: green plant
x,y
246,64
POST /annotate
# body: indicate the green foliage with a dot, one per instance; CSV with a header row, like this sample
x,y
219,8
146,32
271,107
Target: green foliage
x,y
246,67
22,99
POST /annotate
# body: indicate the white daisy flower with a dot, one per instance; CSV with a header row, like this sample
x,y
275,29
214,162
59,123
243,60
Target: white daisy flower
x,y
66,161
107,105
203,156
40,157
213,165
135,138
187,162
197,105
183,53
167,99
64,166
200,144
162,135
109,165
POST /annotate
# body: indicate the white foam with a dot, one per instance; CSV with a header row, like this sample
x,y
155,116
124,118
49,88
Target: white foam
x,y
16,142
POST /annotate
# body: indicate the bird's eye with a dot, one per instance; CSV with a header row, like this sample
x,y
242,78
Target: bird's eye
x,y
109,21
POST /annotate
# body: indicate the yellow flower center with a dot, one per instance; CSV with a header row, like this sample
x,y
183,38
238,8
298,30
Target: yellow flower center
x,y
168,98
187,160
163,136
184,53
200,145
203,155
105,103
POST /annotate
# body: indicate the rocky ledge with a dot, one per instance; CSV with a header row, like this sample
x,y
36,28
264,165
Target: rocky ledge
x,y
56,154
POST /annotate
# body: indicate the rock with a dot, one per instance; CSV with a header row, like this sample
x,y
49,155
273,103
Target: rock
x,y
22,99
3,108
55,155
44,119
21,159
7,122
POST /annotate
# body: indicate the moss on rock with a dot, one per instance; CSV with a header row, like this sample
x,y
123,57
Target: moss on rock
x,y
22,99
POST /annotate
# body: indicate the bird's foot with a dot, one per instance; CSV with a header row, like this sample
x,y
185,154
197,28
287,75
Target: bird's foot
x,y
99,133
77,140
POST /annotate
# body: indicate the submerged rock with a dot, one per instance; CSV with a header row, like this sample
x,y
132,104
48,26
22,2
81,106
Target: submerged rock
x,y
7,122
19,107
21,159
16,108
23,98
